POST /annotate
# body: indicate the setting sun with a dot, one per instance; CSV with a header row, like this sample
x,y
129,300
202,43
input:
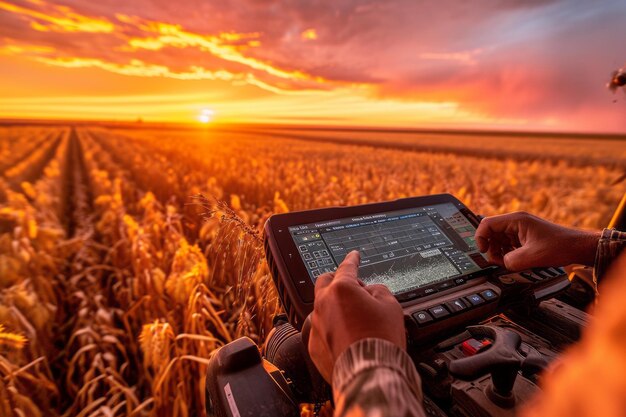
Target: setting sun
x,y
206,116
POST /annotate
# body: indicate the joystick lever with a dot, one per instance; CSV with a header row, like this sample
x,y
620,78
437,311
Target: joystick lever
x,y
503,360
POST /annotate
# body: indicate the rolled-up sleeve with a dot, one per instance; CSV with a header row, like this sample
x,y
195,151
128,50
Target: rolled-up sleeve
x,y
612,242
374,377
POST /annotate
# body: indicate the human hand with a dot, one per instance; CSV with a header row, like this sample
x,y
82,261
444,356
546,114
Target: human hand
x,y
520,241
345,311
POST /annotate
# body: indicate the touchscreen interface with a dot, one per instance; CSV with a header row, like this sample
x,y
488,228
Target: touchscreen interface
x,y
404,250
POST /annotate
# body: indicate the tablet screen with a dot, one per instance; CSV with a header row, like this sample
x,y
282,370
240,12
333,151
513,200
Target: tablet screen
x,y
404,249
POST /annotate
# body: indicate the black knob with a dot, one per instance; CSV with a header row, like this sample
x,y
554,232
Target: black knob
x,y
502,360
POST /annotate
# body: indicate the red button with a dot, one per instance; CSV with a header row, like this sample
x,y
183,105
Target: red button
x,y
472,346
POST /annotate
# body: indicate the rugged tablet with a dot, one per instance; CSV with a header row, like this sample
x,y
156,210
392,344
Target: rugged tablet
x,y
421,248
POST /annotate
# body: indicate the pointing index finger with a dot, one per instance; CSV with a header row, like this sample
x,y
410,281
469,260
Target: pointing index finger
x,y
349,268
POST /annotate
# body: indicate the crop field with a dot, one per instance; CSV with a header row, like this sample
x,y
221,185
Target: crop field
x,y
116,283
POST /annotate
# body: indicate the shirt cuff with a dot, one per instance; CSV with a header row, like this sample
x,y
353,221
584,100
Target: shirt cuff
x,y
610,245
370,353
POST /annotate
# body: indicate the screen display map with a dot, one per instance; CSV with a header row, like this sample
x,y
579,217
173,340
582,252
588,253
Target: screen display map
x,y
404,250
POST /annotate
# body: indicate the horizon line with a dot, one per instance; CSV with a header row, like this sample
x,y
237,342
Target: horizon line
x,y
216,125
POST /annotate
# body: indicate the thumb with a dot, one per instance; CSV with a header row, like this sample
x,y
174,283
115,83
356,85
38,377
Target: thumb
x,y
519,259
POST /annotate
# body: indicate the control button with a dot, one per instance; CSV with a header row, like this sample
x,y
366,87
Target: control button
x,y
530,276
507,279
459,281
303,248
548,273
475,299
307,256
422,317
430,371
438,312
408,296
444,285
489,295
428,291
557,270
312,264
542,273
456,305
472,346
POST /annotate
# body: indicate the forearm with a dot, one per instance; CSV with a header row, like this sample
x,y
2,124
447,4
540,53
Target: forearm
x,y
376,378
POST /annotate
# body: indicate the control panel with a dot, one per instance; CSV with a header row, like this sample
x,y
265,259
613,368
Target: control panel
x,y
446,309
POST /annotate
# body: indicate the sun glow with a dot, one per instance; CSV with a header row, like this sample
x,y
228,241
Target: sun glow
x,y
206,116
309,35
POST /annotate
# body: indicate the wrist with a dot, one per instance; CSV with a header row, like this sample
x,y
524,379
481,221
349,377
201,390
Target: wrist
x,y
585,246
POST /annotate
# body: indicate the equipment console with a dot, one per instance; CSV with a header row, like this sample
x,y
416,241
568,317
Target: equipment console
x,y
421,248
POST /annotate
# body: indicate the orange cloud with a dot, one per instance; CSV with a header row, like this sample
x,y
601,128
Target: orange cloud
x,y
234,36
24,49
58,19
228,46
177,37
138,68
465,57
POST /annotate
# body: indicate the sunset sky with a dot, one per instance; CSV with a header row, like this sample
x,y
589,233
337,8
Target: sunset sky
x,y
512,64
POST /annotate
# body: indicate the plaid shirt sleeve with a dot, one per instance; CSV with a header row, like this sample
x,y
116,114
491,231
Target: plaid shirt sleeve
x,y
375,378
611,244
